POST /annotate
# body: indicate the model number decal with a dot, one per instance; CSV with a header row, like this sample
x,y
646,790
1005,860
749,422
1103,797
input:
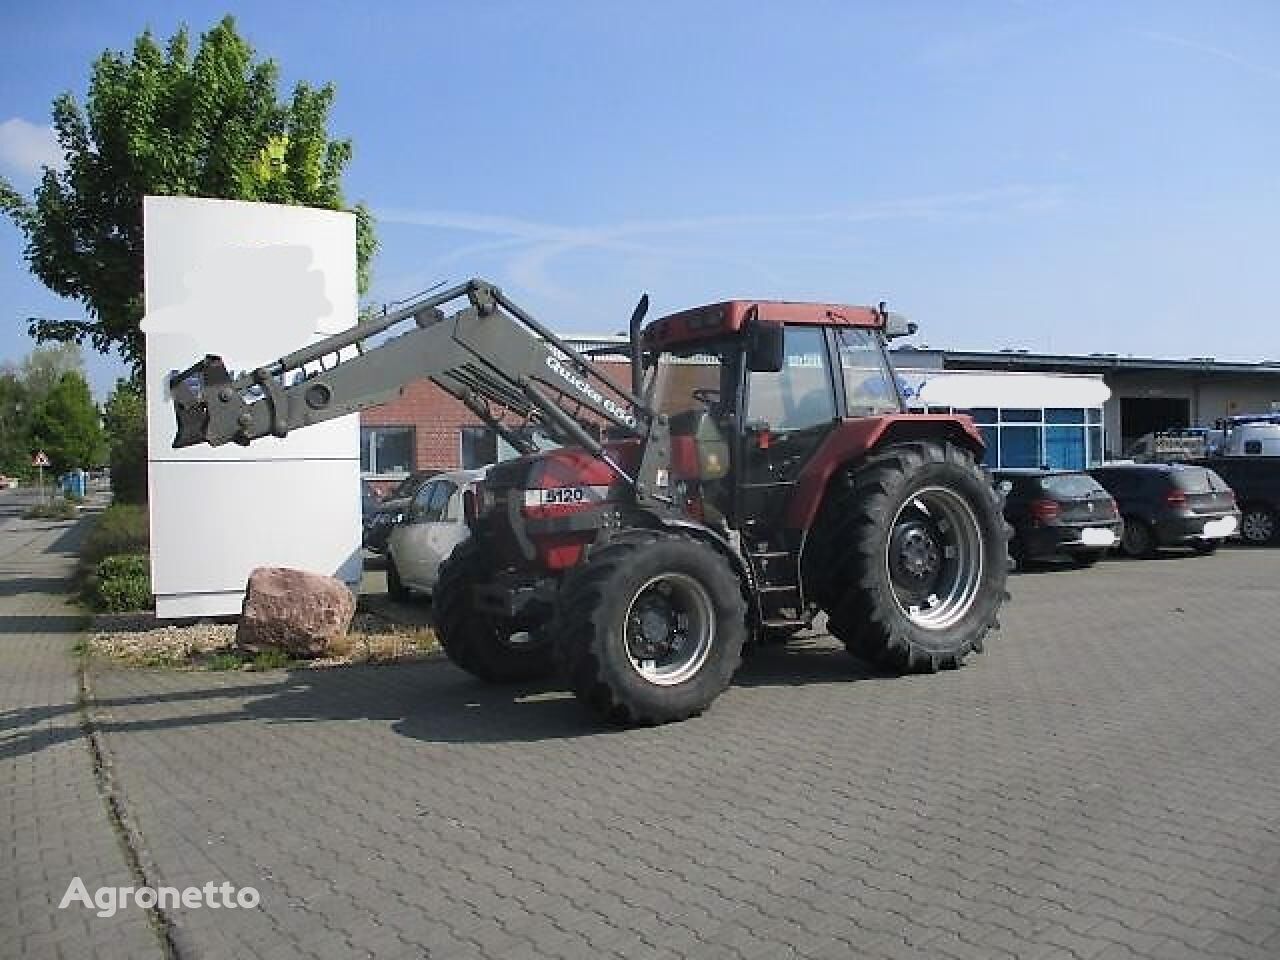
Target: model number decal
x,y
564,496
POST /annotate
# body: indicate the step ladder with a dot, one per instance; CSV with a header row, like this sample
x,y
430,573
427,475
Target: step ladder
x,y
778,587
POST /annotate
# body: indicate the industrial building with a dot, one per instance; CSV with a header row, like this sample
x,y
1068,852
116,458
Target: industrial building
x,y
1034,409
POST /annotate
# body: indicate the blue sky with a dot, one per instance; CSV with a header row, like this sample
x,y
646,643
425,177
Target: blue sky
x,y
1074,177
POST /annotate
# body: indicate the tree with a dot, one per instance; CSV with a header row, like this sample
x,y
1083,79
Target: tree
x,y
66,425
124,416
15,453
23,388
165,123
44,367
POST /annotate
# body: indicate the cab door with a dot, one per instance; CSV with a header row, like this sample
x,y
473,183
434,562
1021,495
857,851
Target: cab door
x,y
787,415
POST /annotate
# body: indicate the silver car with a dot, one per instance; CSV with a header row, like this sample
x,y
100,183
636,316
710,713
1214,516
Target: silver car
x,y
432,526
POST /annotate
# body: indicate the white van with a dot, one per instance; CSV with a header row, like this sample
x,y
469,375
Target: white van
x,y
1252,440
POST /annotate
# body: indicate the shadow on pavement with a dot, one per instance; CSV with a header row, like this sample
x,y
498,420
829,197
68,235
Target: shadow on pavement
x,y
15,586
436,702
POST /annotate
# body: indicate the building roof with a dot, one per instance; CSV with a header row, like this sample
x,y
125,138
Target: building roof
x,y
1093,363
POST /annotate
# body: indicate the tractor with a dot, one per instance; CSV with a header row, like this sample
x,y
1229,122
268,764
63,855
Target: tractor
x,y
757,469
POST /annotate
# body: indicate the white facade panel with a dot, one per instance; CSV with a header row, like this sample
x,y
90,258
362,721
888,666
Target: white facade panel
x,y
249,282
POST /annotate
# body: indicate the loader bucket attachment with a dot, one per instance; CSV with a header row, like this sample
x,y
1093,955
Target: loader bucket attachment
x,y
188,390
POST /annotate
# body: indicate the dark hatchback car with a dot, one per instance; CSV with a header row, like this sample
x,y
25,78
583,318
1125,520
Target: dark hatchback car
x,y
391,509
1170,504
1056,513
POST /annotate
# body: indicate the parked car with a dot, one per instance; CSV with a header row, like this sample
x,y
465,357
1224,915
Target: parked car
x,y
391,510
433,525
368,502
1255,480
1170,504
1058,513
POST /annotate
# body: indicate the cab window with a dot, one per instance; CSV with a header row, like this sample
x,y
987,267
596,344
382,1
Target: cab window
x,y
868,382
799,395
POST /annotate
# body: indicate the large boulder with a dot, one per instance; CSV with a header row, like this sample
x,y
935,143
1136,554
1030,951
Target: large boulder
x,y
293,611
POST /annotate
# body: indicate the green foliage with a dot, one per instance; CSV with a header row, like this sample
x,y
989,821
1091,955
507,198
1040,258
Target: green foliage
x,y
121,583
124,418
24,387
270,660
56,509
223,661
122,565
45,366
15,453
65,425
121,528
162,122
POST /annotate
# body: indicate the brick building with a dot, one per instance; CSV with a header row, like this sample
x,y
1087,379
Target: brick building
x,y
426,429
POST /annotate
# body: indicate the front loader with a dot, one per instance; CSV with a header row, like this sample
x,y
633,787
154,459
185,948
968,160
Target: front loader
x,y
757,470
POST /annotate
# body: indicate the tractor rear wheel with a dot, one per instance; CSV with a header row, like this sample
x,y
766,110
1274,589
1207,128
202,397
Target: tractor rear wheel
x,y
650,629
485,646
910,557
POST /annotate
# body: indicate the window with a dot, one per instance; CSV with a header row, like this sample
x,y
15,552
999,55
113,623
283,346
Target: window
x,y
420,501
1064,447
990,437
1071,485
799,395
479,447
1064,415
1021,415
1020,446
386,450
430,504
868,383
1096,453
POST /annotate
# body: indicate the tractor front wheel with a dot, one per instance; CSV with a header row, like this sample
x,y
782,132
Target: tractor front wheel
x,y
910,557
650,629
485,646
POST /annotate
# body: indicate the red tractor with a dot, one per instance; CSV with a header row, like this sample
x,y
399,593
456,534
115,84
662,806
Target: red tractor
x,y
758,470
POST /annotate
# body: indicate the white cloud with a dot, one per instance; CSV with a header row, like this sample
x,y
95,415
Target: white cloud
x,y
1212,51
532,248
27,147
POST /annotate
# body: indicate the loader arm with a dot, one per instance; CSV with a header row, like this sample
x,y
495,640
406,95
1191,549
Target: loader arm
x,y
489,354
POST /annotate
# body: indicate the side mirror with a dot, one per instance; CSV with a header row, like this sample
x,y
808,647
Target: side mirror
x,y
766,350
896,325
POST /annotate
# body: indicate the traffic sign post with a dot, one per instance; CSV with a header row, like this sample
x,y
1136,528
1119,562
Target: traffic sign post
x,y
40,460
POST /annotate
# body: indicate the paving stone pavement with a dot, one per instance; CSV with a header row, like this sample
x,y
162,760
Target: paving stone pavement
x,y
1103,783
54,824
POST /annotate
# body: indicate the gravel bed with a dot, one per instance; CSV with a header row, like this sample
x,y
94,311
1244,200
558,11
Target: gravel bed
x,y
139,639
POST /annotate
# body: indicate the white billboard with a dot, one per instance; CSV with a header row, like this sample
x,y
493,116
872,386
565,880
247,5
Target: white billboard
x,y
250,282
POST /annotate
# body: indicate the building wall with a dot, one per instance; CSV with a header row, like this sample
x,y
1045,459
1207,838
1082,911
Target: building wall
x,y
1209,396
437,420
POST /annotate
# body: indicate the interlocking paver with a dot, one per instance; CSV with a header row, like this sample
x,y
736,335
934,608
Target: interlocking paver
x,y
53,823
1103,783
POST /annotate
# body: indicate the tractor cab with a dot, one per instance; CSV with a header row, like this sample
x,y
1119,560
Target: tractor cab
x,y
752,389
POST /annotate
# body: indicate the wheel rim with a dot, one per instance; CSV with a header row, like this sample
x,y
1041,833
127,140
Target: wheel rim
x,y
935,558
669,629
1258,526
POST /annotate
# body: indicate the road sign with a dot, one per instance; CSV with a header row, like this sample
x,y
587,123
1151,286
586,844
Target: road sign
x,y
41,459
